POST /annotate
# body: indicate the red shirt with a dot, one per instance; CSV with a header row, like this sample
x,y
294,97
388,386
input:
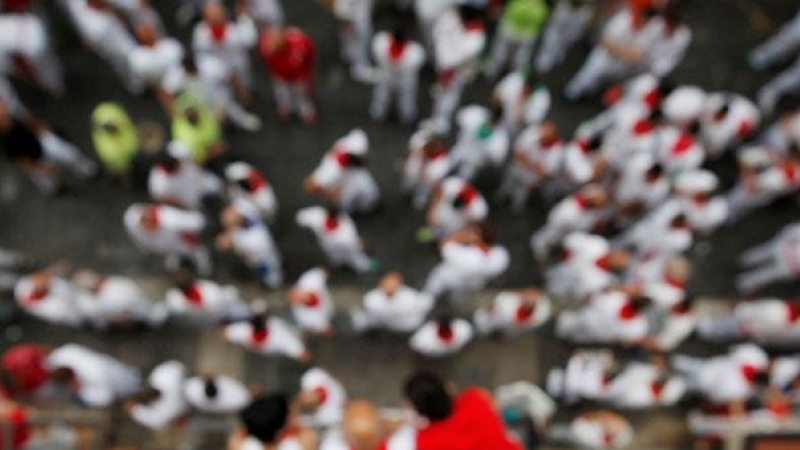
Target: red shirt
x,y
292,61
473,425
25,364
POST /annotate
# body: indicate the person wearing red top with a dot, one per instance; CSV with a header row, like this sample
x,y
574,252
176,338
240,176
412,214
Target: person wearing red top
x,y
288,54
455,421
23,365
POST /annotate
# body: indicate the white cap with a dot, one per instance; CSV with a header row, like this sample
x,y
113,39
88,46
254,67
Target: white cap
x,y
685,104
178,150
751,355
237,171
696,181
356,142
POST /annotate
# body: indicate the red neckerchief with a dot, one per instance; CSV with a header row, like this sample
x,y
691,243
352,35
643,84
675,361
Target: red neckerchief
x,y
35,296
331,223
474,25
627,312
97,6
608,438
613,94
322,393
396,50
565,255
583,202
438,152
603,262
255,181
792,311
643,127
154,213
218,31
583,146
749,373
657,388
652,98
193,295
673,282
190,239
790,171
468,194
524,314
259,336
446,77
684,143
169,170
547,144
311,300
745,129
445,333
700,199
341,156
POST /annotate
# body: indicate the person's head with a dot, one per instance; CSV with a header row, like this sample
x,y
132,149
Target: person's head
x,y
654,173
184,280
677,269
362,425
434,146
259,321
721,112
639,303
214,12
62,376
146,396
210,389
265,417
548,132
391,283
192,115
487,233
594,196
428,395
618,260
147,34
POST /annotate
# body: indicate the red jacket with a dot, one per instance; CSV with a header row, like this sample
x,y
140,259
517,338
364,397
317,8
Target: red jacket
x,y
293,60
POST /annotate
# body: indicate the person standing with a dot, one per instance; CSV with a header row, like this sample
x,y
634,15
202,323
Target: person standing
x,y
399,60
519,26
289,54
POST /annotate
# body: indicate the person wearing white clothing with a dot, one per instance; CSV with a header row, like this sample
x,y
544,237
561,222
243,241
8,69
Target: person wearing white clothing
x,y
727,120
392,306
777,259
217,394
514,312
116,301
154,57
248,237
768,321
267,335
441,337
168,231
324,396
49,298
482,141
565,26
454,205
337,236
399,60
161,403
425,166
610,318
778,47
204,299
96,379
355,33
177,180
27,46
245,183
312,303
524,103
670,47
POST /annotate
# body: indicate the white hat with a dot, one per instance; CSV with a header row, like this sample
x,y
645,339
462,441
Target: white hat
x,y
178,150
685,104
751,355
696,181
237,171
356,142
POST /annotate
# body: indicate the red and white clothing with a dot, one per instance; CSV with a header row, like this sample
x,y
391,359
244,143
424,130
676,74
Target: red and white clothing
x,y
354,187
457,205
277,338
573,213
765,320
245,183
677,150
25,36
337,236
583,269
330,393
592,432
739,122
183,186
101,379
150,64
399,63
521,110
167,378
635,188
229,42
314,314
231,395
291,66
773,179
404,311
252,241
57,304
726,378
175,233
608,318
668,49
510,312
585,377
465,269
433,341
117,299
205,299
642,385
422,171
480,142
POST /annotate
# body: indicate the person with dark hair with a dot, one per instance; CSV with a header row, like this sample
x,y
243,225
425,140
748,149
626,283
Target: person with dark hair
x,y
466,420
611,317
216,394
268,335
427,163
161,403
524,99
247,236
246,183
179,181
337,236
455,203
470,260
399,60
482,141
514,311
442,336
268,424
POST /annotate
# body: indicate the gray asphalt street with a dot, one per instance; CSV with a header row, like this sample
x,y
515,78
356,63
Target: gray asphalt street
x,y
85,224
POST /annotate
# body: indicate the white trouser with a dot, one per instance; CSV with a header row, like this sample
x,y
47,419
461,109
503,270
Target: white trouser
x,y
517,184
599,68
784,83
354,258
766,266
777,47
562,31
446,99
355,37
294,96
404,87
467,160
502,47
359,195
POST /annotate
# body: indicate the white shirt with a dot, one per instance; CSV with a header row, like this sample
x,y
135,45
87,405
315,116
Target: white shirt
x,y
427,341
206,298
407,64
168,379
280,338
404,311
232,396
57,305
151,64
331,410
176,231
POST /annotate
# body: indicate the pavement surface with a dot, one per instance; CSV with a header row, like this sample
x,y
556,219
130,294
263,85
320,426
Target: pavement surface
x,y
85,224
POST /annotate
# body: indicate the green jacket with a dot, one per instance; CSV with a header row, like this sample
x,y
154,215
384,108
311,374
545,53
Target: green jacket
x,y
524,19
198,138
116,140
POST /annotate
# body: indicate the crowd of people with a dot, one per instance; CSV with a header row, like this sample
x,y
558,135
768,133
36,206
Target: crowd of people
x,y
631,192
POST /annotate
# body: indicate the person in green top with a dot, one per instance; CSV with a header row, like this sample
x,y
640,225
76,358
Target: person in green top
x,y
116,139
195,126
519,26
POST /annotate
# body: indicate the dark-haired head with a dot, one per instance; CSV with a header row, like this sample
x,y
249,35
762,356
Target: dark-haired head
x,y
210,387
266,417
428,394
